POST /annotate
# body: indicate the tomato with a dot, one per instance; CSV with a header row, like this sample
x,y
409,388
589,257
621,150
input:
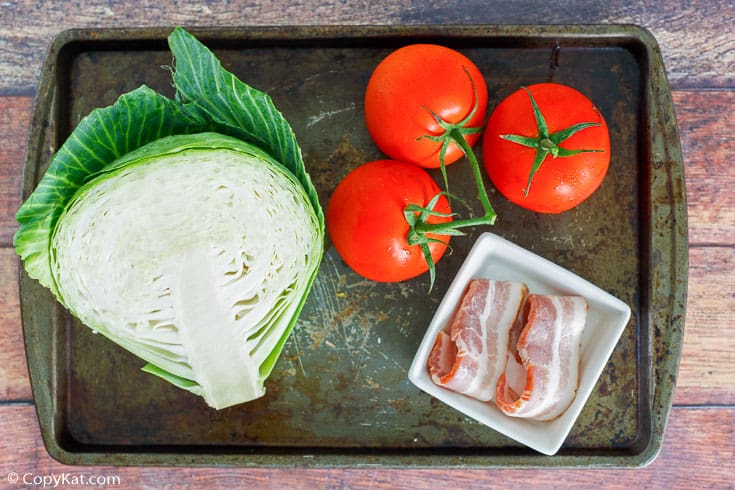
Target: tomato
x,y
559,183
367,225
407,86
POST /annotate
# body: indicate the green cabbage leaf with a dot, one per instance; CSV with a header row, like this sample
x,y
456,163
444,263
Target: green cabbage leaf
x,y
187,231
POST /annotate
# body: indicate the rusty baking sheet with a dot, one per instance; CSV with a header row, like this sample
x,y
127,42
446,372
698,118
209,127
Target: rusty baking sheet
x,y
339,395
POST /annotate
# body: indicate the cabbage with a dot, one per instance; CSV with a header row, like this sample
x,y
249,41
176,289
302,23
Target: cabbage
x,y
187,231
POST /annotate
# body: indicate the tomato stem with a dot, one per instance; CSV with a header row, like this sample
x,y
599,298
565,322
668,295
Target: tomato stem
x,y
417,216
490,214
456,135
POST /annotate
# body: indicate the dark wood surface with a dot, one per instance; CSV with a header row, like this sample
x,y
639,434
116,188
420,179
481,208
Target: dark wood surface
x,y
698,47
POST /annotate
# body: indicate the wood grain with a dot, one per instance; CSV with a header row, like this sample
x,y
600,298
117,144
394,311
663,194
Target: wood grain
x,y
696,51
14,383
698,452
16,114
705,120
707,368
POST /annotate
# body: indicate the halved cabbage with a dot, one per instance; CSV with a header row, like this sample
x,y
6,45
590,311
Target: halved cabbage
x,y
186,230
193,253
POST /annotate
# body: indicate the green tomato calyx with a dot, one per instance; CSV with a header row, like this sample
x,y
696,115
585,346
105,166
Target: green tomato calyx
x,y
547,144
418,216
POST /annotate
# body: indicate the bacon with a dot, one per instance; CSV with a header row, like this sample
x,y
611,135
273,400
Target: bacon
x,y
542,371
470,358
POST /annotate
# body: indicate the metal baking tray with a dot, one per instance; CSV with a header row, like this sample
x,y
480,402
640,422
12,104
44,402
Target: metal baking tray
x,y
339,396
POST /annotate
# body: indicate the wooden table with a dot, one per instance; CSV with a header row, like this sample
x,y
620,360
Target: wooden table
x,y
698,47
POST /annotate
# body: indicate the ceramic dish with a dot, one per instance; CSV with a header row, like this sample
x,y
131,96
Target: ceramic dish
x,y
493,257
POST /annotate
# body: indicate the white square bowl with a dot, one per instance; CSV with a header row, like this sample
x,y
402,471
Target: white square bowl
x,y
493,257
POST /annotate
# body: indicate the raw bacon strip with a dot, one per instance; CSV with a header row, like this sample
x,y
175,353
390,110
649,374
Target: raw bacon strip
x,y
470,358
542,373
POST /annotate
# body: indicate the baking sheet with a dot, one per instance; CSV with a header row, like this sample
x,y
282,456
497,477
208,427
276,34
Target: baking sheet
x,y
339,395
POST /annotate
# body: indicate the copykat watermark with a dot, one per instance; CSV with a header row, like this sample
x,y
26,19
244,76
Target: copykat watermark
x,y
28,479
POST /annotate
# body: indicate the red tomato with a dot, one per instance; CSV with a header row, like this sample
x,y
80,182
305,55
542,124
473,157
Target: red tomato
x,y
367,225
407,86
560,183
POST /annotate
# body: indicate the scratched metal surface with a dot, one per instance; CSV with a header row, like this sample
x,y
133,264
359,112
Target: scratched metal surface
x,y
340,387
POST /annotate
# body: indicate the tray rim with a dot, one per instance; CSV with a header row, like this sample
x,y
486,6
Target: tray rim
x,y
669,297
